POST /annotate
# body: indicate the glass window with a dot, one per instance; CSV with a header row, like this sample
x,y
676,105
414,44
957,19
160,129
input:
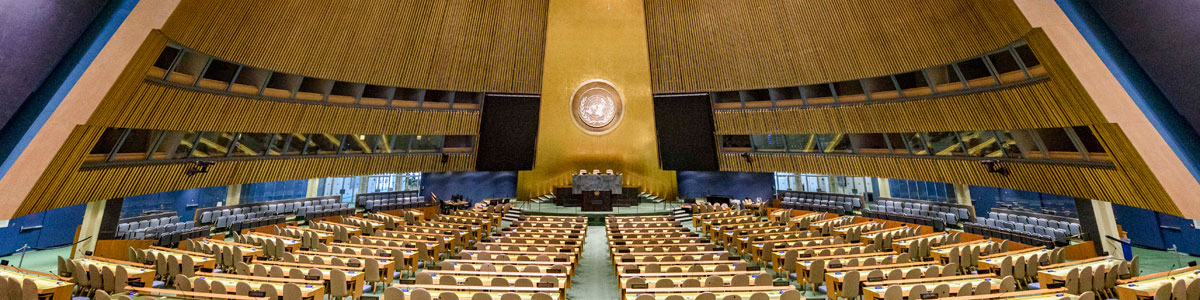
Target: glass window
x,y
281,85
353,144
163,62
833,143
167,144
728,97
377,143
869,143
323,144
1006,66
818,94
105,145
296,143
1094,147
437,99
212,144
1058,144
458,143
896,140
849,91
278,144
881,88
769,142
944,144
981,143
736,143
945,79
188,68
916,143
345,92
187,142
427,143
314,89
376,95
251,144
400,143
137,144
1018,144
801,143
976,72
218,75
1027,56
913,84
249,80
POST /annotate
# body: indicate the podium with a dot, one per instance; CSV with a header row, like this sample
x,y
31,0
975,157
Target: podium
x,y
596,191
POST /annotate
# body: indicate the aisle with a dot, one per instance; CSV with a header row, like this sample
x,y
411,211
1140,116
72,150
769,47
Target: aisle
x,y
594,278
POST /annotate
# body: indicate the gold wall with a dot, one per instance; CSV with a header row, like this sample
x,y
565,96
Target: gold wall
x,y
596,39
717,45
460,45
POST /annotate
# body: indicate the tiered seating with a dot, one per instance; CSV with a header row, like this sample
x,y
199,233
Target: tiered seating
x,y
1029,229
373,202
821,202
657,258
948,213
529,260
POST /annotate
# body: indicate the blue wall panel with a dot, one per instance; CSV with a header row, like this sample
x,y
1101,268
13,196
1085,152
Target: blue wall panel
x,y
739,185
184,202
57,229
985,198
271,191
922,190
1141,224
472,185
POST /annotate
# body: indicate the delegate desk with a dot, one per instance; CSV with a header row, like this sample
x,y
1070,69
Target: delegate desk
x,y
835,276
805,264
467,291
787,292
387,264
875,289
314,290
679,278
201,260
1144,286
1058,272
162,294
942,253
137,272
49,286
990,263
562,280
354,275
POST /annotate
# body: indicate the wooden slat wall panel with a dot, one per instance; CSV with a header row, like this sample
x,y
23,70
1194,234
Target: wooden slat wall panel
x,y
1035,105
712,45
156,106
64,184
461,45
1118,185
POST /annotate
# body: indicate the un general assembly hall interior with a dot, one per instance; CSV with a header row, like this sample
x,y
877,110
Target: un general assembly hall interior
x,y
599,149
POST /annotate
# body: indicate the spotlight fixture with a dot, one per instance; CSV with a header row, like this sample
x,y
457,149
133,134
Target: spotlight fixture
x,y
200,167
749,159
994,166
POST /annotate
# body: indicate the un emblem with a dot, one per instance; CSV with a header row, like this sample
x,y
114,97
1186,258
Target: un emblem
x,y
597,106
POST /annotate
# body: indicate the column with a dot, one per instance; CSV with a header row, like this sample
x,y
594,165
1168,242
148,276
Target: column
x,y
962,192
885,187
1106,225
312,187
233,196
89,230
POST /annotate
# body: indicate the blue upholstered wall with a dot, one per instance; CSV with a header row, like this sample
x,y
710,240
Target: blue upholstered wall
x,y
184,202
985,198
270,191
739,185
1155,230
57,229
472,185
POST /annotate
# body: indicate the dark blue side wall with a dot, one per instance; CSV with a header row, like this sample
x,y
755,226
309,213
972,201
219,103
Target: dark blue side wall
x,y
57,229
985,198
271,191
1179,134
472,185
739,185
16,134
1155,230
184,202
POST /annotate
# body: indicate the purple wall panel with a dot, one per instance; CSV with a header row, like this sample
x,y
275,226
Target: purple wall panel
x,y
1164,38
34,36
